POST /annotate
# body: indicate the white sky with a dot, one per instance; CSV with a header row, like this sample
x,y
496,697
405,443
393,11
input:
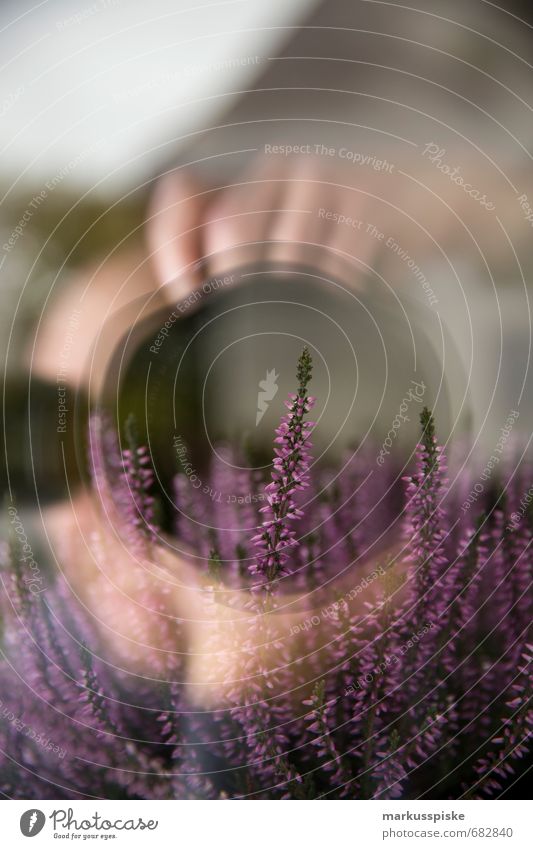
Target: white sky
x,y
105,80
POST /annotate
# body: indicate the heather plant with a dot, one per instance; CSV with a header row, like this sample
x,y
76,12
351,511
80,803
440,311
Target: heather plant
x,y
376,637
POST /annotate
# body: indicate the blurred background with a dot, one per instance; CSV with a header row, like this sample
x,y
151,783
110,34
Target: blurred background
x,y
99,99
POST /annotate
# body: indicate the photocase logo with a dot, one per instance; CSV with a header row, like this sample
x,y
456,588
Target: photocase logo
x,y
32,822
268,389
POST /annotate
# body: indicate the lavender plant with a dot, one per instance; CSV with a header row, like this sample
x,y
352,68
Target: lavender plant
x,y
382,648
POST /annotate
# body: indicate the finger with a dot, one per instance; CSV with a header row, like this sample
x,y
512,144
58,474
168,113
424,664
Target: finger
x,y
173,227
353,243
239,218
300,227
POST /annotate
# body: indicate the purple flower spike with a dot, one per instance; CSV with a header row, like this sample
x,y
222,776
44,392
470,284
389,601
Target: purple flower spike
x,y
290,474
